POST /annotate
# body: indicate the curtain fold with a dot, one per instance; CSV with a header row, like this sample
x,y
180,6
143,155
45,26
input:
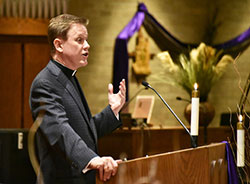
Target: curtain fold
x,y
231,166
120,63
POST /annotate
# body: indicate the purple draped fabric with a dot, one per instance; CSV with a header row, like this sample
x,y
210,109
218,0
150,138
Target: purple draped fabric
x,y
120,68
164,40
231,167
231,43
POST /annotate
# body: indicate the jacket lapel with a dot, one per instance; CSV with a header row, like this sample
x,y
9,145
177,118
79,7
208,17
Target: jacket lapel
x,y
75,95
63,79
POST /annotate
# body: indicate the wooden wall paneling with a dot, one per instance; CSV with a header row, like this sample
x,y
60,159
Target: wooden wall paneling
x,y
10,85
36,57
20,26
137,143
162,140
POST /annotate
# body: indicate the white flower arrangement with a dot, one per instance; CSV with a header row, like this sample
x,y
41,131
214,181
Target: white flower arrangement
x,y
203,66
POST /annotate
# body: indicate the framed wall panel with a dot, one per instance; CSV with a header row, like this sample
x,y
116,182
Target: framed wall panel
x,y
10,85
36,57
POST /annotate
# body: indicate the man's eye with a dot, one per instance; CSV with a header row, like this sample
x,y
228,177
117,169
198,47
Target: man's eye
x,y
79,39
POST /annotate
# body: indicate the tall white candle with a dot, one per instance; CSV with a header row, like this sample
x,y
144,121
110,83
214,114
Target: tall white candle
x,y
240,143
195,111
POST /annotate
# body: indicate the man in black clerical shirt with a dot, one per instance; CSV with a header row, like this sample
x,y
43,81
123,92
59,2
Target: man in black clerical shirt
x,y
67,137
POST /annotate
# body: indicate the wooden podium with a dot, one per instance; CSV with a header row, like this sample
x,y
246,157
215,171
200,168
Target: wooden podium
x,y
205,164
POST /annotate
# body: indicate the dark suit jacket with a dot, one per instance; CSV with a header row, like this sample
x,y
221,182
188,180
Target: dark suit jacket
x,y
67,138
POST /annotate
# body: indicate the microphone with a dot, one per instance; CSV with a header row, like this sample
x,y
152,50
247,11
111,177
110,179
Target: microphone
x,y
182,99
144,83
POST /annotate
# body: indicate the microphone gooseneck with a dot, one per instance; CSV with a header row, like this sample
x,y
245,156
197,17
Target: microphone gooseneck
x,y
131,99
146,84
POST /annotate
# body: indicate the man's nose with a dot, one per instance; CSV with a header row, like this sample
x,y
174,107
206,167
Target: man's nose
x,y
86,45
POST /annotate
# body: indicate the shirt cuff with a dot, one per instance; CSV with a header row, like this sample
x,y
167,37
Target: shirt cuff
x,y
86,169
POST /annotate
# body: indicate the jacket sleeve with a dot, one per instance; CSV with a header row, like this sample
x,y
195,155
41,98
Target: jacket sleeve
x,y
106,122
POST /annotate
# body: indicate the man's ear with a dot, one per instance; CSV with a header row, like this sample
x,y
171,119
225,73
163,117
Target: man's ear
x,y
58,43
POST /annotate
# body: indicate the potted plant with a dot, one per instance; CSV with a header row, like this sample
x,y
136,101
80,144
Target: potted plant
x,y
204,66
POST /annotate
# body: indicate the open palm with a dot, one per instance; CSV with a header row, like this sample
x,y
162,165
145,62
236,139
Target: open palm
x,y
116,101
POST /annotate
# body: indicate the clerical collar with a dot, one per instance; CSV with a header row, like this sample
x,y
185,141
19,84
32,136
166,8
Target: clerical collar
x,y
66,71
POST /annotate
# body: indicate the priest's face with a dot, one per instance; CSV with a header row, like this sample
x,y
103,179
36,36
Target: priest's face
x,y
75,49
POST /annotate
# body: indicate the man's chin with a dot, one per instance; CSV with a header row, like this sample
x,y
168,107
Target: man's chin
x,y
84,63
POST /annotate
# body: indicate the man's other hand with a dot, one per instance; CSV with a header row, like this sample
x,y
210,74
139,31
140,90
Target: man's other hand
x,y
116,101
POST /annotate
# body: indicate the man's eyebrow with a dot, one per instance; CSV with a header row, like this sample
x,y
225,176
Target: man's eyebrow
x,y
83,35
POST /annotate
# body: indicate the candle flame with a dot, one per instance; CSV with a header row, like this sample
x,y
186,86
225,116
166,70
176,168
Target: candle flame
x,y
196,86
240,118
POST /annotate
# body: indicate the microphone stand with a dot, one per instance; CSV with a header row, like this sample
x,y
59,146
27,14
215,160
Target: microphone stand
x,y
193,143
128,102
